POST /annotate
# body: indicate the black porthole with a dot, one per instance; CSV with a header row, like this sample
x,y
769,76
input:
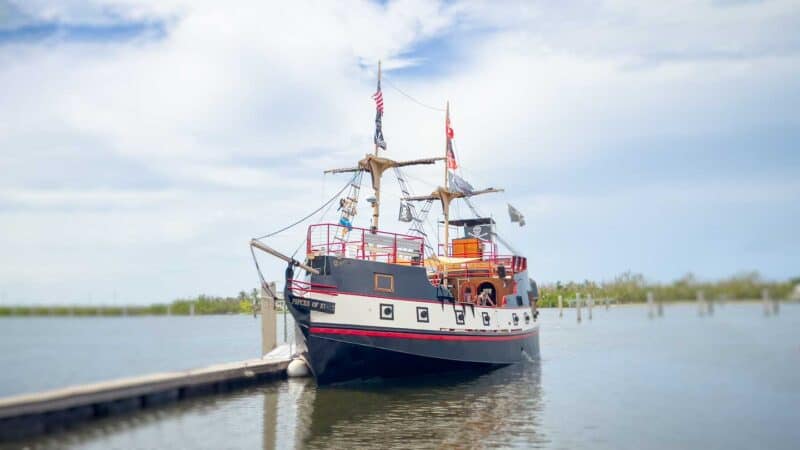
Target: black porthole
x,y
527,318
486,319
422,314
515,318
387,311
519,300
459,317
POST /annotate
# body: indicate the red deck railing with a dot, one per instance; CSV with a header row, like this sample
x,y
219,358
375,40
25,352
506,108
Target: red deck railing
x,y
360,243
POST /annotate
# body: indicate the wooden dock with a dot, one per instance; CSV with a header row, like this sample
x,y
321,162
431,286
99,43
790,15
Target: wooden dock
x,y
31,414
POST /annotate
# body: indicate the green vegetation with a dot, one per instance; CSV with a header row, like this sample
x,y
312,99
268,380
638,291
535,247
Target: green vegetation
x,y
633,288
203,304
626,288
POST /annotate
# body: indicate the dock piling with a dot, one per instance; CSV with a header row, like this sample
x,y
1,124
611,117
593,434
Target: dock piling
x,y
765,301
560,307
578,306
590,304
701,306
268,316
650,306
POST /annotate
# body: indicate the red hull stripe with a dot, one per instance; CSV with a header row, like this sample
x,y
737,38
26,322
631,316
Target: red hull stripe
x,y
419,336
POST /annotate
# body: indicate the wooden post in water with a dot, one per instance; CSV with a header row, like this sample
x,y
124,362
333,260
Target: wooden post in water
x,y
607,302
650,311
578,306
701,307
285,327
774,306
590,304
268,316
765,301
560,307
660,307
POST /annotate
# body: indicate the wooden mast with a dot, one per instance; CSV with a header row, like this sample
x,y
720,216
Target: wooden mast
x,y
445,195
376,205
446,184
376,165
379,85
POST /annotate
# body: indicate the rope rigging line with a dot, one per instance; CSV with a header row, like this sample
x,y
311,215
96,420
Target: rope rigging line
x,y
335,196
319,219
329,203
393,86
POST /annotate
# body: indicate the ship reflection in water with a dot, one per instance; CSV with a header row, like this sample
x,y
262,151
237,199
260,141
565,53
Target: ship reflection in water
x,y
498,408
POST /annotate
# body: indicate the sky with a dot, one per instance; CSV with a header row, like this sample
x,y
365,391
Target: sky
x,y
143,143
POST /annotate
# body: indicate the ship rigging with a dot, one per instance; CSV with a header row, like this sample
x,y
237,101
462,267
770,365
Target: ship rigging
x,y
366,305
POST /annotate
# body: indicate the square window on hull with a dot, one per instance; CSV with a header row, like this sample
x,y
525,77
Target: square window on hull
x,y
383,282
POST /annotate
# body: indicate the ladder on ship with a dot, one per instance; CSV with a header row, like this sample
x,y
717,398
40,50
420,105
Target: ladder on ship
x,y
417,219
348,206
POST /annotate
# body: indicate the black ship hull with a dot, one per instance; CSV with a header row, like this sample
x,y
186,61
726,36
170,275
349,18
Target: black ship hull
x,y
347,354
354,331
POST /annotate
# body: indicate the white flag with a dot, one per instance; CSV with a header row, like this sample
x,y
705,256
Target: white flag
x,y
515,215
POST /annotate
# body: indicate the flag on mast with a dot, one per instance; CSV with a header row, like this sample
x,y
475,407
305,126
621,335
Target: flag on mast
x,y
515,215
451,156
378,97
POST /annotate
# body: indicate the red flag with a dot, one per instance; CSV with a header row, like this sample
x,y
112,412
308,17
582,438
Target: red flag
x,y
449,129
451,156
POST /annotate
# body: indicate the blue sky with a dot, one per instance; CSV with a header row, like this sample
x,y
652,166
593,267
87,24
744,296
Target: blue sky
x,y
143,143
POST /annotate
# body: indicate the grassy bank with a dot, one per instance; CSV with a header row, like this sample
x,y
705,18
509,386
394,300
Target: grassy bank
x,y
625,288
633,288
202,304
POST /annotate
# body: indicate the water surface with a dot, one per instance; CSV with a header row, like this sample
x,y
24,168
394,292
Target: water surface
x,y
620,380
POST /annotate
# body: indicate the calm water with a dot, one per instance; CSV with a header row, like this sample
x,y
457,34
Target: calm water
x,y
619,381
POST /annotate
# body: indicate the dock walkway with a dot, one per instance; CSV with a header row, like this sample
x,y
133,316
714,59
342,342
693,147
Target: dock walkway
x,y
31,414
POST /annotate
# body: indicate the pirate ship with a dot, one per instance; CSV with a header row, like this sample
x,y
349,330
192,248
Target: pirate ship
x,y
373,303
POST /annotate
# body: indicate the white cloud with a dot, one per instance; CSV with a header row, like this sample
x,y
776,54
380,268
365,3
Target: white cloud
x,y
238,109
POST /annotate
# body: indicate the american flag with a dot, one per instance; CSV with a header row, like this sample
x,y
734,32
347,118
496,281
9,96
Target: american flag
x,y
378,96
378,139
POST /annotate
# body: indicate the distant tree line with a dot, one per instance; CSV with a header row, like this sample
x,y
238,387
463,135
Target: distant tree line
x,y
633,288
203,304
626,288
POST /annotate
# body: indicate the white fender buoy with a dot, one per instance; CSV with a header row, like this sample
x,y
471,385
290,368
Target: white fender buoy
x,y
297,368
